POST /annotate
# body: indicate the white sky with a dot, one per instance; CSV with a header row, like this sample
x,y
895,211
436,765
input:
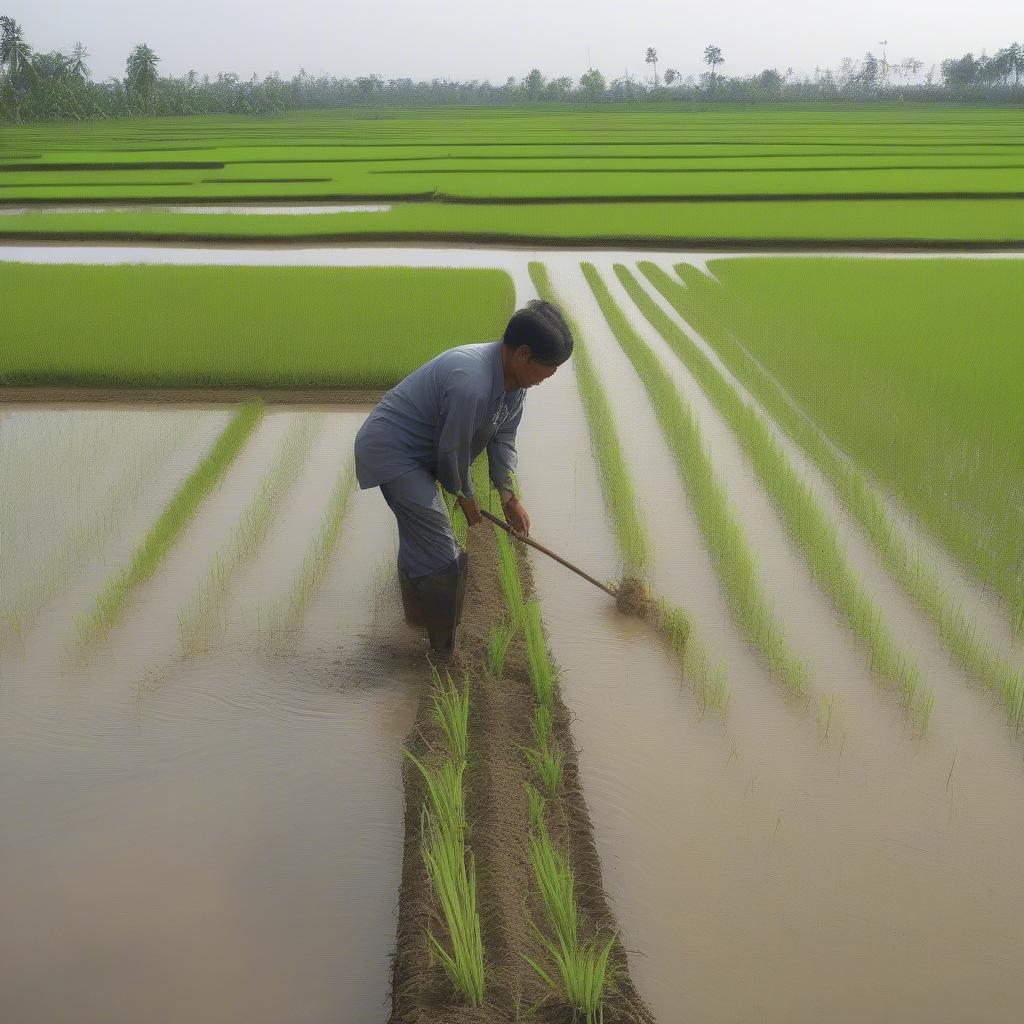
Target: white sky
x,y
485,39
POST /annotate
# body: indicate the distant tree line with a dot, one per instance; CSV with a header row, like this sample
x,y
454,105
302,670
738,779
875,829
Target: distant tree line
x,y
57,86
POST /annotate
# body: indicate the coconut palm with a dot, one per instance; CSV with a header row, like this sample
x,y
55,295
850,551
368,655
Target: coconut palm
x,y
16,56
140,74
15,53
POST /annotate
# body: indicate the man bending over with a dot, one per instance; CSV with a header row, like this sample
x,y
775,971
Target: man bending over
x,y
431,427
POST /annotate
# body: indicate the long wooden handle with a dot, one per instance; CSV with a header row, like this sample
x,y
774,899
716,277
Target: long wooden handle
x,y
547,551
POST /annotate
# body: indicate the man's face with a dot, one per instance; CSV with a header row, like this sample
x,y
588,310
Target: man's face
x,y
528,370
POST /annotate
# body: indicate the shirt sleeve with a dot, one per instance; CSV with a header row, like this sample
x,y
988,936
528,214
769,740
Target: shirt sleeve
x,y
460,409
501,449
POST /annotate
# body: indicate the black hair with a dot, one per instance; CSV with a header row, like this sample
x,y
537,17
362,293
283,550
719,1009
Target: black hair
x,y
540,326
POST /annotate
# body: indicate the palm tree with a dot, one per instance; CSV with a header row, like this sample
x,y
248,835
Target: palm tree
x,y
140,74
713,57
16,56
14,51
652,58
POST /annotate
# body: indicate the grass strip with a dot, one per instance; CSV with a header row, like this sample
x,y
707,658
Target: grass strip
x,y
902,558
806,521
779,223
673,621
112,599
284,618
201,621
733,558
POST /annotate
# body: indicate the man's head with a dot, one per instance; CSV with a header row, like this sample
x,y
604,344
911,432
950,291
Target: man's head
x,y
537,341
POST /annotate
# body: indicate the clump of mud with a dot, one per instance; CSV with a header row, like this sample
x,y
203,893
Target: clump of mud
x,y
632,597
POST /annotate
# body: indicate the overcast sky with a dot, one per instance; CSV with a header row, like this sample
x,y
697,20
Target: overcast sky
x,y
484,39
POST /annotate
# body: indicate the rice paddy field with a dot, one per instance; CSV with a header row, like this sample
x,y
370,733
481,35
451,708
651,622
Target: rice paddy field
x,y
780,783
670,177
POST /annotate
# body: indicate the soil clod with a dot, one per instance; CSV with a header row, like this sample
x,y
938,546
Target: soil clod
x,y
632,597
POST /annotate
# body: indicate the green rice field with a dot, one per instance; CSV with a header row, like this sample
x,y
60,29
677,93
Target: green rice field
x,y
363,327
772,773
929,174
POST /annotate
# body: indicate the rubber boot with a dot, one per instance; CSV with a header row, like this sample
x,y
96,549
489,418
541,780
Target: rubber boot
x,y
411,603
442,597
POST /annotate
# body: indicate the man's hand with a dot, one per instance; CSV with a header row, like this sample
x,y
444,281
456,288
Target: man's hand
x,y
471,510
516,515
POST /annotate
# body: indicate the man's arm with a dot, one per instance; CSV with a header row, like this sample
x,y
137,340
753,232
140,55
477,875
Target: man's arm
x,y
459,413
503,459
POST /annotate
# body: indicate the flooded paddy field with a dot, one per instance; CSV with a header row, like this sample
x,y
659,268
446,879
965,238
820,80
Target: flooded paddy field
x,y
202,835
210,822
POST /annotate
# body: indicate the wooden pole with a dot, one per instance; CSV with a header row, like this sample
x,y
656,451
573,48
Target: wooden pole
x,y
547,551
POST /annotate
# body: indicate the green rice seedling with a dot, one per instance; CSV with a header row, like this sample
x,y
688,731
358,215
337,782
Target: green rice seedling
x,y
202,619
616,481
542,724
454,882
451,712
284,619
584,973
548,764
535,803
445,793
630,530
901,557
557,884
497,647
733,558
540,664
508,574
113,598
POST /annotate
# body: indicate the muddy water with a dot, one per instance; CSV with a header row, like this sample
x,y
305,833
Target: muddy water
x,y
759,873
218,838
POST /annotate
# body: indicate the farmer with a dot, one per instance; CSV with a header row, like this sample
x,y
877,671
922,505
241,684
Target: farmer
x,y
431,427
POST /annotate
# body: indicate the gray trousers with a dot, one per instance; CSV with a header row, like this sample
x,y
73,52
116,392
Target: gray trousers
x,y
426,543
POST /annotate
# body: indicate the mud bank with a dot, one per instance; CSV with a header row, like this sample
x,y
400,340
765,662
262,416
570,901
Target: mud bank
x,y
501,712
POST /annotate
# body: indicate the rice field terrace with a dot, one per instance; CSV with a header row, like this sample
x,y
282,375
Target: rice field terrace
x,y
924,176
778,779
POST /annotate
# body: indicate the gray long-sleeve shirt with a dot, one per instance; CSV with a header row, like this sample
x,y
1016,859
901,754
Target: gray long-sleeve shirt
x,y
440,418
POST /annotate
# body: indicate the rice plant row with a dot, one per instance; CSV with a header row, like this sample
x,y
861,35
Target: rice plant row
x,y
579,971
912,368
64,497
902,558
201,620
280,622
630,530
805,520
733,558
443,831
112,599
